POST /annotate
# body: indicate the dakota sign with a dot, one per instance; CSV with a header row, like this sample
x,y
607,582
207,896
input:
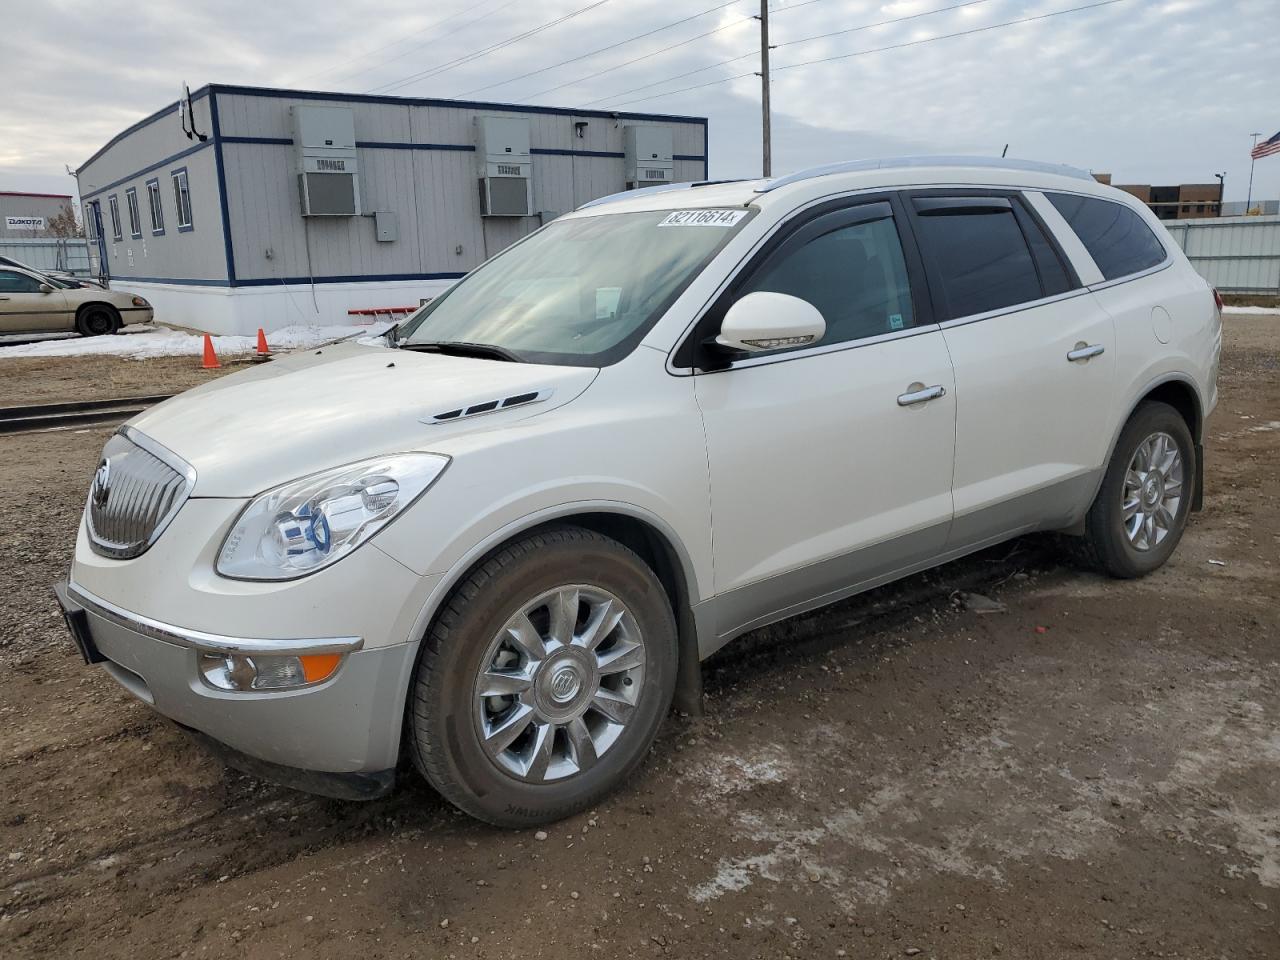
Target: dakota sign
x,y
24,223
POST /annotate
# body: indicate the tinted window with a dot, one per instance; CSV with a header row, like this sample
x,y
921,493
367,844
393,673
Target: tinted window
x,y
1054,278
11,282
1119,240
854,275
980,258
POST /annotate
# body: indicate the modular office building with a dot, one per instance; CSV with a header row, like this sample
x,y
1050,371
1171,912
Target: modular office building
x,y
248,207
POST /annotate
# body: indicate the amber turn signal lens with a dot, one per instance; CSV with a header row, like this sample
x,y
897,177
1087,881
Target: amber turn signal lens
x,y
319,666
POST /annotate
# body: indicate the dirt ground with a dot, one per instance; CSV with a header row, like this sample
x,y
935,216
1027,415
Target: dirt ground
x,y
1093,772
27,380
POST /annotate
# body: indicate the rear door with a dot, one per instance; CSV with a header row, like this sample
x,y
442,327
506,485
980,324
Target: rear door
x,y
1034,363
24,308
830,464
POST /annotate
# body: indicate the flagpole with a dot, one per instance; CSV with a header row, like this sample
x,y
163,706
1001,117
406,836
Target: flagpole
x,y
1252,160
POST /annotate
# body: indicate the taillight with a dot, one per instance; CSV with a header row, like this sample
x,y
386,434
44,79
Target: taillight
x,y
1217,299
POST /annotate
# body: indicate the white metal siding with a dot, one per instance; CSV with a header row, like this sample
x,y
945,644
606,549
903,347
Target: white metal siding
x,y
1235,254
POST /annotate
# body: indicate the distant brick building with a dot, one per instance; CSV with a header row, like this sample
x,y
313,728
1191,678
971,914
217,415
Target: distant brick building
x,y
1186,201
26,215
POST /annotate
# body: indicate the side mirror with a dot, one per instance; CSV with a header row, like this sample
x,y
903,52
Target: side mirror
x,y
770,321
45,288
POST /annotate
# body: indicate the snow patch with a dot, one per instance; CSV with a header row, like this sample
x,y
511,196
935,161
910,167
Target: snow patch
x,y
147,343
1252,311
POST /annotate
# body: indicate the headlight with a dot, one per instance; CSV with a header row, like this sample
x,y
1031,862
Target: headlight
x,y
310,523
139,302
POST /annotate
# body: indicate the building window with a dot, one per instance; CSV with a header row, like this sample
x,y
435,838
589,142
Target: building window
x,y
157,209
114,203
91,220
182,199
135,220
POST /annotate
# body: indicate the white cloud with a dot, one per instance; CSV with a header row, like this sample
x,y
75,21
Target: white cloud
x,y
1152,91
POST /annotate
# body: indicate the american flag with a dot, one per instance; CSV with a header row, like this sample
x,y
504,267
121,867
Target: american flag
x,y
1266,148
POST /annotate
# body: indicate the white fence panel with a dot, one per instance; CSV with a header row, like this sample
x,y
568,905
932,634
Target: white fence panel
x,y
72,254
1235,254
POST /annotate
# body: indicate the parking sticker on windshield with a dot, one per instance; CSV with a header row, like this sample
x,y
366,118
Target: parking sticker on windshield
x,y
703,218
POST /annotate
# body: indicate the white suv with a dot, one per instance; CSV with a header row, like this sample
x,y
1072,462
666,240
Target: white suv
x,y
503,540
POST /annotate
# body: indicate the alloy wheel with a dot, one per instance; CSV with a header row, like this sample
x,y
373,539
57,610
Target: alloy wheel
x,y
559,683
1152,491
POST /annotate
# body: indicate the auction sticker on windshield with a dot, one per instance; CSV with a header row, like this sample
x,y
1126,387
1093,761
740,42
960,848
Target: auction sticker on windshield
x,y
702,218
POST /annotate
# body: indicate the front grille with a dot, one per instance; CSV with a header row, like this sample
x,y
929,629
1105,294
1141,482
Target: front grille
x,y
138,488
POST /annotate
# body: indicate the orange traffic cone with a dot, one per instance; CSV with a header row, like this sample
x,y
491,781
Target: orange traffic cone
x,y
210,358
263,351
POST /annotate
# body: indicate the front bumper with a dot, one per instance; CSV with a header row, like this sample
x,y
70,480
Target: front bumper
x,y
343,734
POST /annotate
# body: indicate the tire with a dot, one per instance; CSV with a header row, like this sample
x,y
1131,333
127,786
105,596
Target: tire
x,y
568,754
1111,543
98,320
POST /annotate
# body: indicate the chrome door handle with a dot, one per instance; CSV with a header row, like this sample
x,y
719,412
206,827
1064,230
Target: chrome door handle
x,y
921,394
1084,351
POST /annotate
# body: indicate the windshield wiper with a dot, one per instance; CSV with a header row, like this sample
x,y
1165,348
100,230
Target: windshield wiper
x,y
461,348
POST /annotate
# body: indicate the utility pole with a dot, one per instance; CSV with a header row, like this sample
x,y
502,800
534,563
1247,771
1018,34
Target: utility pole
x,y
1249,200
764,88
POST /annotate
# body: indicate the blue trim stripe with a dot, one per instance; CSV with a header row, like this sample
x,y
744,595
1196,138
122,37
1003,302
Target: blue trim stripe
x,y
551,152
145,170
690,156
278,281
278,141
222,189
354,278
391,145
184,281
279,94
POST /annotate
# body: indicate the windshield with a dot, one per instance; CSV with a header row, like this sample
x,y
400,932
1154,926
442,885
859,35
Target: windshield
x,y
582,291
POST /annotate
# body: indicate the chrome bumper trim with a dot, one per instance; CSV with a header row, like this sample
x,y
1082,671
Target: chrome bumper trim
x,y
181,636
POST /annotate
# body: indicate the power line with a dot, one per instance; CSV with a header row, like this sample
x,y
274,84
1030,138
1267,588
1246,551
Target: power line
x,y
385,46
477,54
896,46
788,43
435,39
655,53
612,46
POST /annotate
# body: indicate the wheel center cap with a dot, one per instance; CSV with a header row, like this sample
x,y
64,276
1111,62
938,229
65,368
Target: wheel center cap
x,y
565,683
1152,492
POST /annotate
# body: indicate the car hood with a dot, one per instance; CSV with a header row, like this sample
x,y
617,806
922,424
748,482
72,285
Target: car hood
x,y
315,409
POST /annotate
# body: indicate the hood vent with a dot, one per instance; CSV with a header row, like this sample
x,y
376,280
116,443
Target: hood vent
x,y
488,406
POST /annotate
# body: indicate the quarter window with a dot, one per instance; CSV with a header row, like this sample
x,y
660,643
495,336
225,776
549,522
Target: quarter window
x,y
114,203
182,199
978,254
13,282
1117,238
135,221
157,209
854,275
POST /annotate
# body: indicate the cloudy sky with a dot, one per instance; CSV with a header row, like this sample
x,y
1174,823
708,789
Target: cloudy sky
x,y
1154,91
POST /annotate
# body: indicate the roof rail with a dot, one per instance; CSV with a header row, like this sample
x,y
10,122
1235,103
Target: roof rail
x,y
660,188
889,163
638,192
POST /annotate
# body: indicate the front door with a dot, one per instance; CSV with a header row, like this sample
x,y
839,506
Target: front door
x,y
830,464
26,308
1034,359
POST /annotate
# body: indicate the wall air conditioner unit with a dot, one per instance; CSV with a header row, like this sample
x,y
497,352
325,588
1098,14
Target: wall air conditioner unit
x,y
649,160
505,166
324,139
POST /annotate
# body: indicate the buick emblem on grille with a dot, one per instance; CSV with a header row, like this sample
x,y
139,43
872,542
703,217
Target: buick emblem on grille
x,y
101,484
